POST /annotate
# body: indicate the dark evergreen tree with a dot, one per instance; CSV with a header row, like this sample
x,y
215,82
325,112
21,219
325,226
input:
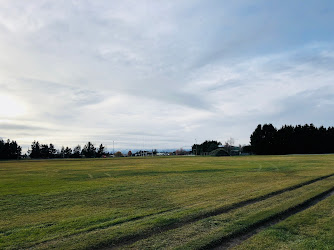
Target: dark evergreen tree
x,y
76,152
9,150
100,151
89,150
52,151
15,150
256,140
67,152
35,151
44,151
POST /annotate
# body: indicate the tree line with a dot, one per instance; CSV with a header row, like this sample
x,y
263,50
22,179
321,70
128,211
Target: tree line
x,y
48,151
265,140
9,150
299,139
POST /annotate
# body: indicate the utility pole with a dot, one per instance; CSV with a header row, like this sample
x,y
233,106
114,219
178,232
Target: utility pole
x,y
113,148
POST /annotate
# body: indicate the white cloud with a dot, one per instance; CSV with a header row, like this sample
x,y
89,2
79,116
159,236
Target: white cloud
x,y
161,72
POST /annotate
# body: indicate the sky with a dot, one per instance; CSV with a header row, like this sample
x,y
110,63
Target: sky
x,y
162,74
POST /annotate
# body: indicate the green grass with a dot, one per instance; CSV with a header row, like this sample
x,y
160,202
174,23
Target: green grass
x,y
199,234
77,204
310,229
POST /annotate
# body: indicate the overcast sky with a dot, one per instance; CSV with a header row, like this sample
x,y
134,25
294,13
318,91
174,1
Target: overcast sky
x,y
160,74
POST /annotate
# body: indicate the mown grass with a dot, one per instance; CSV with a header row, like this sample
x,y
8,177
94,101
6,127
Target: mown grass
x,y
86,203
310,229
202,233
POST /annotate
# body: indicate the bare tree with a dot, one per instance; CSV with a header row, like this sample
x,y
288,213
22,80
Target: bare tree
x,y
228,145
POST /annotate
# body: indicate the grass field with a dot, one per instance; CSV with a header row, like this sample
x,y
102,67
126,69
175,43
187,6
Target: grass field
x,y
164,202
310,229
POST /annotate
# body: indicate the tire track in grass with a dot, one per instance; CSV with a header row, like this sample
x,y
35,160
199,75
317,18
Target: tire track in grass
x,y
98,227
130,239
238,237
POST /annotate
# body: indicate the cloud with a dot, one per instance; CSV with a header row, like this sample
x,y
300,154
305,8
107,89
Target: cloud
x,y
311,106
162,72
8,126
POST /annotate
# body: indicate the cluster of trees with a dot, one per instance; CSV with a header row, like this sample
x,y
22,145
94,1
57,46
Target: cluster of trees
x,y
9,150
300,139
208,146
48,151
181,151
205,147
42,150
90,151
